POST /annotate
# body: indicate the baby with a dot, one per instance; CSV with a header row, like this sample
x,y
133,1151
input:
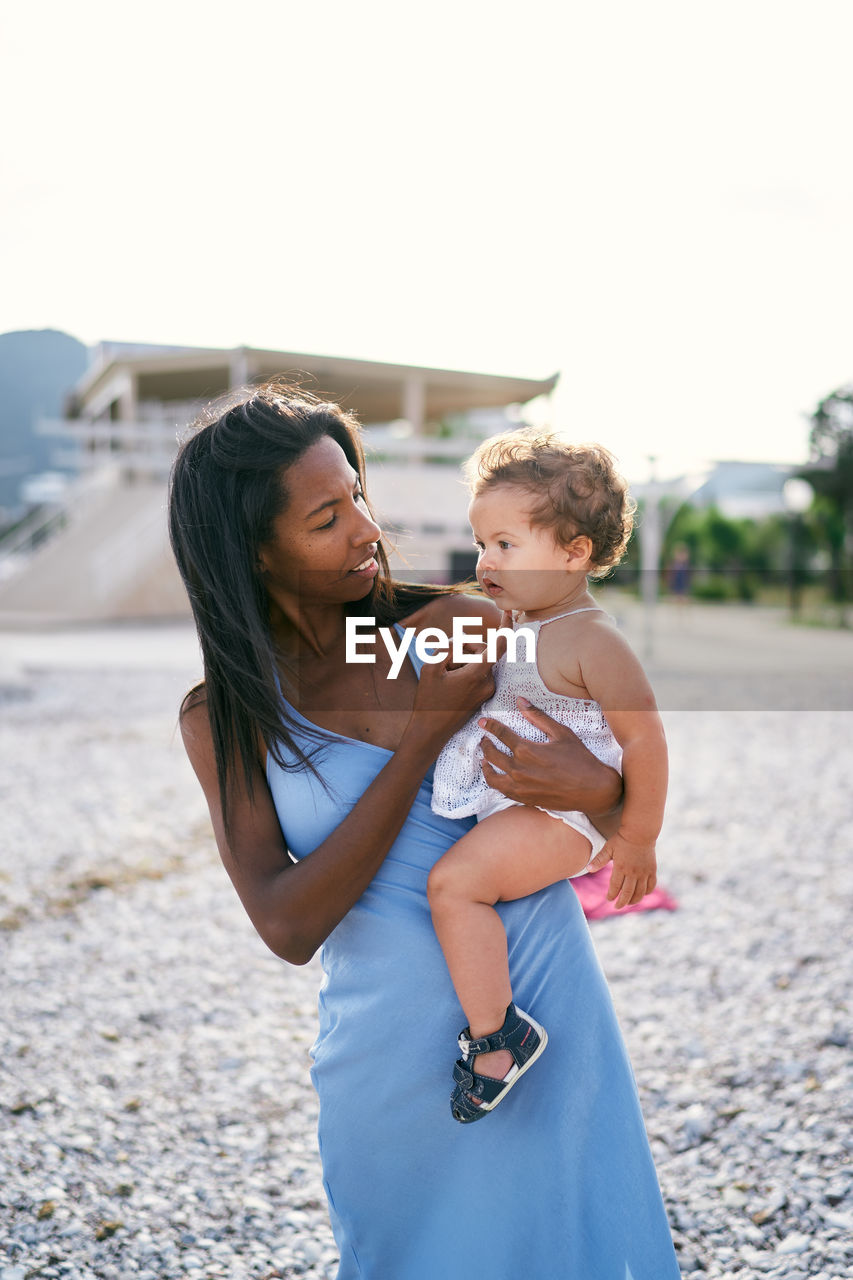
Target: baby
x,y
546,517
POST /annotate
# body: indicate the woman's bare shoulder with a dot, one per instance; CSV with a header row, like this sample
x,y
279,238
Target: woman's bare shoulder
x,y
195,726
440,611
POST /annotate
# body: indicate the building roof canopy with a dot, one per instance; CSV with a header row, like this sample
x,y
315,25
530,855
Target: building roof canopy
x,y
374,390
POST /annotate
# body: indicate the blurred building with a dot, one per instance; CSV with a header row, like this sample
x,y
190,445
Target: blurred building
x,y
743,490
99,550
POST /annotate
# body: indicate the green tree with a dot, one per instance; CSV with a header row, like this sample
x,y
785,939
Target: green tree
x,y
830,473
721,551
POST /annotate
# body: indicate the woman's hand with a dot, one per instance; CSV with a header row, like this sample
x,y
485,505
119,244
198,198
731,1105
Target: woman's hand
x,y
558,774
448,695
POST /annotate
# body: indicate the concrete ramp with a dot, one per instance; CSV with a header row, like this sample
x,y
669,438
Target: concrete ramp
x,y
112,560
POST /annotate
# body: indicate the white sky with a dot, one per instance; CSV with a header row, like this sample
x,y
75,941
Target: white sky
x,y
652,198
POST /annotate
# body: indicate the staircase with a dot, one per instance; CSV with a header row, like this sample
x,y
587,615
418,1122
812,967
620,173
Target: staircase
x,y
104,555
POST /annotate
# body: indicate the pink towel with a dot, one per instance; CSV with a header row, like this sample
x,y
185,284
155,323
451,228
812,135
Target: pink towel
x,y
592,891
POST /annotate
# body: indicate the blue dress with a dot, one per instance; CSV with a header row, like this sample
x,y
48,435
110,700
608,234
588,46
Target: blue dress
x,y
557,1184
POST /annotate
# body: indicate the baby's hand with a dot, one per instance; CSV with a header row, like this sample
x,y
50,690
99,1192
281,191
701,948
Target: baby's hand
x,y
634,870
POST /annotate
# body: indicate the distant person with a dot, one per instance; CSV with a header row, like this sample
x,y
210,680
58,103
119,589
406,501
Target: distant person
x,y
678,573
546,516
318,775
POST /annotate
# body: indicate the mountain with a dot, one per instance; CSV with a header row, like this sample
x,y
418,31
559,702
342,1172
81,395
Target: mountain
x,y
37,368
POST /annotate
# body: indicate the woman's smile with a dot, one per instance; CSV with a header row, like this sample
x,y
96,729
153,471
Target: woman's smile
x,y
368,568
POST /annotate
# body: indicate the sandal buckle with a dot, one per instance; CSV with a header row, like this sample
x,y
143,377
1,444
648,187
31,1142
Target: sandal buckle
x,y
484,1044
473,1047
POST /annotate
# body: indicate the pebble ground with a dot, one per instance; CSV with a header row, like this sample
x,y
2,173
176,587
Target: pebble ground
x,y
156,1116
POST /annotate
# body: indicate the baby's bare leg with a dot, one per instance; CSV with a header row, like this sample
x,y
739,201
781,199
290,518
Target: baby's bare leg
x,y
506,856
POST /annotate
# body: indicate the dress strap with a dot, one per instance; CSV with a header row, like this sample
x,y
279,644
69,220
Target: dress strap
x,y
590,608
416,662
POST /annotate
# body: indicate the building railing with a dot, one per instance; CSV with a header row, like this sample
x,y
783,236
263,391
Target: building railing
x,y
146,448
48,519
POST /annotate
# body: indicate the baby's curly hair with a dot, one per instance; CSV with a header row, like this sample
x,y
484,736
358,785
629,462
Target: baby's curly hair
x,y
575,489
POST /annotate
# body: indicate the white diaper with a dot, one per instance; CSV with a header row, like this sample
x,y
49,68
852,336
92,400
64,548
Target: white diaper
x,y
579,821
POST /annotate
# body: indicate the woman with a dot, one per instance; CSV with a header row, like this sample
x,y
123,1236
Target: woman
x,y
317,774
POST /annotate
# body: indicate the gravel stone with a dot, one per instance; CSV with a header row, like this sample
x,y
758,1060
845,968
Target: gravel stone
x,y
154,1060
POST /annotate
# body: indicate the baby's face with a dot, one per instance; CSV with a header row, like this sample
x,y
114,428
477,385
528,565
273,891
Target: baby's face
x,y
520,566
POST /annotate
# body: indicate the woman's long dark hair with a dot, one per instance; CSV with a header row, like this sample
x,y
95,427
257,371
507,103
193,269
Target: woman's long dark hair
x,y
226,490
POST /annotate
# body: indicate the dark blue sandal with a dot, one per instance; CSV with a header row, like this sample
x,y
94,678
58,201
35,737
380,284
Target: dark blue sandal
x,y
522,1037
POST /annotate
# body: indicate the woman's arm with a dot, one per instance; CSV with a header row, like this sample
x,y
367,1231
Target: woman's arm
x,y
295,905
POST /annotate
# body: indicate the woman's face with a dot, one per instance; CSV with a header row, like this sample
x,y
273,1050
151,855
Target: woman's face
x,y
323,544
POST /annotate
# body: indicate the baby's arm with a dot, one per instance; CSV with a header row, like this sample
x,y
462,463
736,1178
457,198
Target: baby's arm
x,y
615,679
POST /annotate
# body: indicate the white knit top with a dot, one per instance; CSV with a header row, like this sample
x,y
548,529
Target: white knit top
x,y
459,789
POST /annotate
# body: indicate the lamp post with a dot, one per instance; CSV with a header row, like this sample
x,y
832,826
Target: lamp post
x,y
797,495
